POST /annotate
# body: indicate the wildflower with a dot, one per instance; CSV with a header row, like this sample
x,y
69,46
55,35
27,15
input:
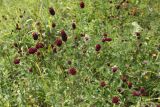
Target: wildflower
x,y
39,45
63,35
142,90
115,100
35,35
105,39
52,11
98,47
32,50
102,83
16,61
136,93
59,42
72,71
82,5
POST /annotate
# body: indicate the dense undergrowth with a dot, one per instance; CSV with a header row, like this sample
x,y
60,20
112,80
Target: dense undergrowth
x,y
73,53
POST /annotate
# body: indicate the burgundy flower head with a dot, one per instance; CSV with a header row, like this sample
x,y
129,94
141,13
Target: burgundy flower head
x,y
35,35
105,39
72,71
32,50
82,5
16,61
63,35
142,90
58,42
98,47
102,83
39,45
52,11
115,100
136,93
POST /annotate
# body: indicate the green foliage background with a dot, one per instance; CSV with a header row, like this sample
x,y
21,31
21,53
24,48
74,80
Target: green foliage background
x,y
47,85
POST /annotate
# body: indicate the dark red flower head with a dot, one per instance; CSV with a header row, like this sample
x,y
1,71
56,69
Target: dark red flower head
x,y
102,83
39,45
16,61
105,39
72,71
58,42
35,35
32,50
63,35
115,100
98,47
129,84
136,93
82,5
52,11
73,26
142,89
114,69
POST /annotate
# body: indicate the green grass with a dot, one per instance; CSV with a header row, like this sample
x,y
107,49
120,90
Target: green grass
x,y
50,85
